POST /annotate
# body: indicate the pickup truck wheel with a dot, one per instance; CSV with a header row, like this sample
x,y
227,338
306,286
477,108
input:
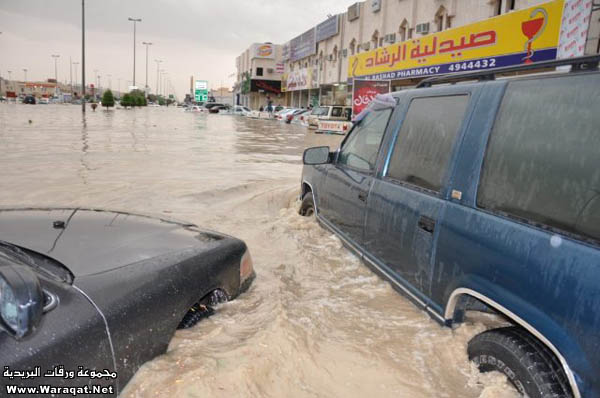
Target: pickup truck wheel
x,y
528,364
307,208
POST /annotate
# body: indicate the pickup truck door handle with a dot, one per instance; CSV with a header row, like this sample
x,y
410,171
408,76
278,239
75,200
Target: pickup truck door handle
x,y
427,224
362,195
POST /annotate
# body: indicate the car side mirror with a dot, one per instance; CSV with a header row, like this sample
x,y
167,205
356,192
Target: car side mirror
x,y
21,300
316,155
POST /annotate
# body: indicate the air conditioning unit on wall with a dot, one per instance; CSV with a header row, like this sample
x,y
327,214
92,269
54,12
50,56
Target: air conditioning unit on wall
x,y
269,70
345,52
423,28
391,38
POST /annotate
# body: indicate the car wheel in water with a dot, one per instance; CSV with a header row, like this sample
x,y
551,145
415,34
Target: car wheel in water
x,y
307,208
527,363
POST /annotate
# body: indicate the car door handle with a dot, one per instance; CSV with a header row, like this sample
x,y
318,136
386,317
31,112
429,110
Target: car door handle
x,y
362,195
427,224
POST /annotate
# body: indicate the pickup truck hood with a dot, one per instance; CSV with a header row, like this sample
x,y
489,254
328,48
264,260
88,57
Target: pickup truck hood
x,y
94,241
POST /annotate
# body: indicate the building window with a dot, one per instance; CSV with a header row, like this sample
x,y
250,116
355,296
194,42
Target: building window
x,y
441,16
402,32
352,46
410,33
259,71
375,39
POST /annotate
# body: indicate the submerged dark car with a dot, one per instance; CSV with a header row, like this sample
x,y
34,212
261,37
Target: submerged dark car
x,y
88,296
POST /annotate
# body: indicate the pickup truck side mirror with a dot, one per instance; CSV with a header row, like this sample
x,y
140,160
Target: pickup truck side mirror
x,y
316,155
21,300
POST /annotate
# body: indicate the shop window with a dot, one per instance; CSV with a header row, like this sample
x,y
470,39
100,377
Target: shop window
x,y
259,71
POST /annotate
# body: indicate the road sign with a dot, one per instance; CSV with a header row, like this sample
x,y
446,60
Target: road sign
x,y
201,91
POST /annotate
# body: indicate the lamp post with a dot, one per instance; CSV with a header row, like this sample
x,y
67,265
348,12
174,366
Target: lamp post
x,y
82,56
146,86
158,61
134,20
55,56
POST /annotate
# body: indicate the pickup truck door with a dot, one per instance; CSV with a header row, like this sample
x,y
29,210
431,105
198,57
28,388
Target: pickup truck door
x,y
405,205
350,177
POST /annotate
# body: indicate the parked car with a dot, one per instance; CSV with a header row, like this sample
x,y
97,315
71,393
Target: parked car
x,y
219,109
209,105
329,113
282,114
29,99
241,110
290,116
104,291
485,197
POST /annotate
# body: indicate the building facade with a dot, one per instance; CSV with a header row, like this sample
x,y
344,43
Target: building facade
x,y
259,71
316,63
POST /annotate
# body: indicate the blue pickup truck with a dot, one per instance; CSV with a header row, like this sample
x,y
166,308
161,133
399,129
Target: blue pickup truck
x,y
475,193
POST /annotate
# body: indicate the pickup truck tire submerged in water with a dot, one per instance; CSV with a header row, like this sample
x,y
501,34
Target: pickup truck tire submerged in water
x,y
527,364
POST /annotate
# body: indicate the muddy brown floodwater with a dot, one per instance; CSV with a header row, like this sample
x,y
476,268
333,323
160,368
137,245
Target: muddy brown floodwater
x,y
315,323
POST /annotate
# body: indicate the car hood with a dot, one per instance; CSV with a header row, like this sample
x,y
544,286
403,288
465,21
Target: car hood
x,y
90,241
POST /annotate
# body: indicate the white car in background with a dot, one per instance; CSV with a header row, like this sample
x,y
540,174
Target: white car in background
x,y
241,110
281,115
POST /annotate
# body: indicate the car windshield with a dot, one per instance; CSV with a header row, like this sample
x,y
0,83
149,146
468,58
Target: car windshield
x,y
320,111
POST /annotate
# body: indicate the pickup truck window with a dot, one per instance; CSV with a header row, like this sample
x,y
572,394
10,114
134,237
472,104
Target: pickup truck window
x,y
336,111
424,144
543,161
361,147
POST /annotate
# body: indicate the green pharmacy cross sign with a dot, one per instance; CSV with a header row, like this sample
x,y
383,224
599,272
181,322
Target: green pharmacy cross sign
x,y
201,91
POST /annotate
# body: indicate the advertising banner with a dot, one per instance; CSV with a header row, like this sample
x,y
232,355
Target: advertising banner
x,y
573,32
304,45
519,37
299,80
364,91
266,51
328,28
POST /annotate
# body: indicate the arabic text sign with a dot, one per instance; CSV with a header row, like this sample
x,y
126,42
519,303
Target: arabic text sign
x,y
364,91
201,90
304,45
524,36
328,28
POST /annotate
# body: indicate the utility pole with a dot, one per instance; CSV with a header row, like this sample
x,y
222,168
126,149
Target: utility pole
x,y
55,73
83,55
146,87
134,20
158,61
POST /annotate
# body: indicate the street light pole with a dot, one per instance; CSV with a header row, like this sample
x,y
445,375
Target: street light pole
x,y
82,55
55,56
134,20
158,61
146,87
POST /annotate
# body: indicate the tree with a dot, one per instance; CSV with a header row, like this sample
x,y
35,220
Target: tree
x,y
107,99
126,101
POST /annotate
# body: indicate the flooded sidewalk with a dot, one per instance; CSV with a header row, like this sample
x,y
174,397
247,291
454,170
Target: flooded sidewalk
x,y
315,323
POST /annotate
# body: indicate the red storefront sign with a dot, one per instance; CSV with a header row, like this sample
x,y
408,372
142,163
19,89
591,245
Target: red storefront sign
x,y
365,90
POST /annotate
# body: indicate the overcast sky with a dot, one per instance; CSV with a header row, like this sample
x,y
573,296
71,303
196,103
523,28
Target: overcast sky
x,y
193,37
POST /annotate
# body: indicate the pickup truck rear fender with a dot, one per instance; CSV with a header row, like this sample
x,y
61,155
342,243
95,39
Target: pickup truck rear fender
x,y
522,314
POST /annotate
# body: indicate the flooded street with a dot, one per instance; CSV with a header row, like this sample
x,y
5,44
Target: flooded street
x,y
315,323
